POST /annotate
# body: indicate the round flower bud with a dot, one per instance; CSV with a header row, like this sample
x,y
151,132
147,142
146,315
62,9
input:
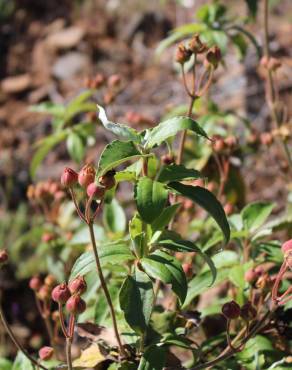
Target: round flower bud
x,y
167,159
69,177
50,281
188,269
95,191
35,283
47,237
46,353
250,276
213,56
75,305
3,256
287,247
266,138
247,311
44,293
61,293
196,45
78,285
230,142
114,81
231,310
182,54
219,144
86,175
108,180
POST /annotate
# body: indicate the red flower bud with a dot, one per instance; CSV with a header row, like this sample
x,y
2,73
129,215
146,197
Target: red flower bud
x,y
35,283
61,293
196,45
3,256
114,81
47,237
75,305
86,175
50,281
44,293
46,353
231,310
95,191
167,159
78,285
188,269
108,180
250,276
214,56
182,54
247,311
69,177
287,247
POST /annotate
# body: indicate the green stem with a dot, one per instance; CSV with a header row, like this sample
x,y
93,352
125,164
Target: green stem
x,y
105,289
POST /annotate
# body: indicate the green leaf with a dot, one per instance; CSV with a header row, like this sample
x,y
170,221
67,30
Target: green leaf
x,y
21,362
118,129
75,147
150,197
206,200
253,355
116,153
255,214
114,217
109,253
165,217
53,109
252,7
170,128
136,300
79,105
44,146
153,359
223,262
5,364
162,266
180,245
175,172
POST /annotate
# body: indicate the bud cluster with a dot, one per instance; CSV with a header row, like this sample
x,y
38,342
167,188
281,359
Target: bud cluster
x,y
231,310
196,47
71,295
42,288
224,145
111,85
138,119
86,179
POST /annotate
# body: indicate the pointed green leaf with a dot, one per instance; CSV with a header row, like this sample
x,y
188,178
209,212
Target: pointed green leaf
x,y
165,217
43,148
116,153
109,253
136,300
170,128
118,129
162,266
175,172
150,197
153,359
255,214
206,200
75,147
114,217
180,245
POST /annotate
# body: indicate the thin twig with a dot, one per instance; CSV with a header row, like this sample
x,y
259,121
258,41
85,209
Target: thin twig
x,y
15,340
